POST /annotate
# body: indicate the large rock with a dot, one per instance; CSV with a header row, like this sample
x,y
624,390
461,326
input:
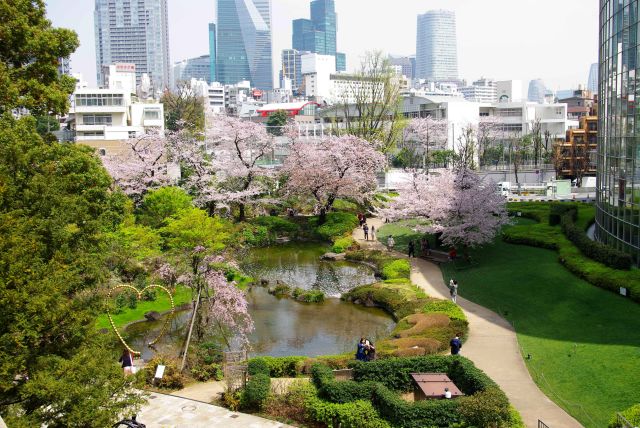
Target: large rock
x,y
333,256
152,315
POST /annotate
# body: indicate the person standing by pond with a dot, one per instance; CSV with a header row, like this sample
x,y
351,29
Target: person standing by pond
x,y
361,352
371,351
127,362
456,345
412,249
365,228
390,243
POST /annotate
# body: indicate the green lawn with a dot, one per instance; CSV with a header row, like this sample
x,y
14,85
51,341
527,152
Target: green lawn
x,y
402,233
584,341
161,304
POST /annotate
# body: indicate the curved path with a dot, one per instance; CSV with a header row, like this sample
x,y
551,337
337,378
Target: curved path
x,y
492,346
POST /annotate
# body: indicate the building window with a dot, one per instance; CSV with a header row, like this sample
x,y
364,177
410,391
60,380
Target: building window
x,y
97,119
99,100
152,113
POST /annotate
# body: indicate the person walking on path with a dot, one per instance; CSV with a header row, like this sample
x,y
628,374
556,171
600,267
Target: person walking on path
x,y
127,362
426,248
365,228
456,345
373,233
390,243
412,249
453,290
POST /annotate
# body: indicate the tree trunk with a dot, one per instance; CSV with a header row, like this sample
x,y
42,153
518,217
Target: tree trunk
x,y
241,212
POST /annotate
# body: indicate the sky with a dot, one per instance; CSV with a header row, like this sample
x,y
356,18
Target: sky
x,y
555,40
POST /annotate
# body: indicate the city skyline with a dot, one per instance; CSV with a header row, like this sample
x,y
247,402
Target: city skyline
x,y
501,45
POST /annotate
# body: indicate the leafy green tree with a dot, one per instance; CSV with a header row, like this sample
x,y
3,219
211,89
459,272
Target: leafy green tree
x,y
55,211
183,109
46,124
159,205
193,228
29,52
276,122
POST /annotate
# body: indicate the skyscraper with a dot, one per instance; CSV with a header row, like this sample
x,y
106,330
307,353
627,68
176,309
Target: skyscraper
x,y
436,46
212,53
244,42
536,91
618,149
136,32
192,68
592,84
291,68
318,34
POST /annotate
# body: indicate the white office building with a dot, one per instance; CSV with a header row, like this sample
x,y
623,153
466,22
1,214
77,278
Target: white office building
x,y
481,91
436,46
113,113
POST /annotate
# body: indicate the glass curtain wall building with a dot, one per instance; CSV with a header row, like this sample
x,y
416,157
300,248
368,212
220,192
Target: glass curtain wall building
x,y
319,34
618,195
137,32
244,43
437,47
212,53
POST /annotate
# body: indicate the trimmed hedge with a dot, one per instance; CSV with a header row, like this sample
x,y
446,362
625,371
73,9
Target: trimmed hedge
x,y
256,392
447,307
277,366
426,413
558,211
394,373
597,251
357,414
277,225
544,236
339,391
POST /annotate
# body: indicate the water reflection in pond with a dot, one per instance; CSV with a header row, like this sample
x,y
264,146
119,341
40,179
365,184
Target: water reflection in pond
x,y
284,326
299,265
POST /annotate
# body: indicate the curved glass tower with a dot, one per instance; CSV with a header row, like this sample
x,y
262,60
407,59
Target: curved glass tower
x,y
244,42
436,46
618,199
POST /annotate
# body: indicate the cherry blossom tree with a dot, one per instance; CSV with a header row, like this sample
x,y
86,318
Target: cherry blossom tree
x,y
237,147
424,134
141,167
332,167
460,205
218,306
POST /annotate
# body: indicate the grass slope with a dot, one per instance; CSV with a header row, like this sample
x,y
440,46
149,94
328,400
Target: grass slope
x,y
584,341
161,304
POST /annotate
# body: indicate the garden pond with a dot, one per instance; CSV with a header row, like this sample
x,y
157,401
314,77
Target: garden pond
x,y
284,326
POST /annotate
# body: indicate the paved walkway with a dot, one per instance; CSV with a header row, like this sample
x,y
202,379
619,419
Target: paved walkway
x,y
168,411
492,346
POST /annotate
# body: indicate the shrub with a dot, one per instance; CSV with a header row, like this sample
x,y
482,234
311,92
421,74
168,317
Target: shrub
x,y
337,224
279,366
341,245
280,290
205,372
308,296
255,236
172,378
632,414
257,366
559,210
486,409
290,406
399,268
159,205
277,225
446,307
256,392
356,414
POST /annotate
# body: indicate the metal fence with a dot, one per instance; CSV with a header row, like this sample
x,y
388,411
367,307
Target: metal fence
x,y
542,424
